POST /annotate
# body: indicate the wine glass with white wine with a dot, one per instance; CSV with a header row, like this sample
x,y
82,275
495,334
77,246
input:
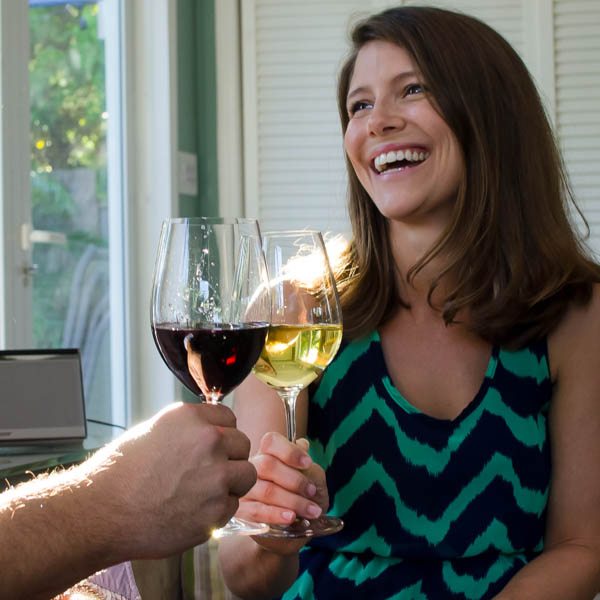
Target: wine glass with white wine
x,y
303,337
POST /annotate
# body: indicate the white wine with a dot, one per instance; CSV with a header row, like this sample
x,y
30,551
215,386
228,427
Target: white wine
x,y
294,355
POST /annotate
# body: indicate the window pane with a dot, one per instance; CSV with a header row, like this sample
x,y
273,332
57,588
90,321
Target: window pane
x,y
69,189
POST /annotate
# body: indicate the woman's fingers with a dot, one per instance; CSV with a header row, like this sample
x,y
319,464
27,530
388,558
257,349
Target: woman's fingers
x,y
288,485
279,504
270,468
279,446
264,513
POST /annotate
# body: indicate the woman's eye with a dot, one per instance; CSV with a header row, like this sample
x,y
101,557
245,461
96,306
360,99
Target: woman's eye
x,y
413,88
358,106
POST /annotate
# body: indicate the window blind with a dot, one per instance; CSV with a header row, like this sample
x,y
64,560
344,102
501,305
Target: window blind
x,y
577,58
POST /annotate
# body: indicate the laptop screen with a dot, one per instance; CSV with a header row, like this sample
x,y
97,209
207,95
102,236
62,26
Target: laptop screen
x,y
41,396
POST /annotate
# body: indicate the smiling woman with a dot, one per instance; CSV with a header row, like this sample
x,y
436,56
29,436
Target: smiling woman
x,y
396,136
455,431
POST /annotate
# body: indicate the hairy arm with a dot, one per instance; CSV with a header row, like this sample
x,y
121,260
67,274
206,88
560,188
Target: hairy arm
x,y
50,536
155,491
569,566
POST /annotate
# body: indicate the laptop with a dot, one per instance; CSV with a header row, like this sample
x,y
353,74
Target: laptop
x,y
41,399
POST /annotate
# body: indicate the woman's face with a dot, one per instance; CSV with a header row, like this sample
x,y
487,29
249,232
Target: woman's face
x,y
403,152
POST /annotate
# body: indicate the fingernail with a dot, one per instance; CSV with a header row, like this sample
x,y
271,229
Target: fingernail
x,y
287,515
303,443
311,489
305,461
313,510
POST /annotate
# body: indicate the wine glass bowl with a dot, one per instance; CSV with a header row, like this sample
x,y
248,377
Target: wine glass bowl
x,y
303,337
211,309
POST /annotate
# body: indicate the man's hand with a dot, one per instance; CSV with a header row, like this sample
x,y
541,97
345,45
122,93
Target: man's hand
x,y
171,480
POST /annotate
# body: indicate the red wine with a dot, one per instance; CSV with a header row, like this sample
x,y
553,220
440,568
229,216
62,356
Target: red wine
x,y
210,360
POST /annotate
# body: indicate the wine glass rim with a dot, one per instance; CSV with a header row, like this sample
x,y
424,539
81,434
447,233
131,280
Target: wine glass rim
x,y
290,232
208,220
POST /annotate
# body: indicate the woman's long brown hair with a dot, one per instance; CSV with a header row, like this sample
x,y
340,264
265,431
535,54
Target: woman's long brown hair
x,y
511,256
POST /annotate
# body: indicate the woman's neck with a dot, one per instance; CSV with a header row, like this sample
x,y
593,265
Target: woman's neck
x,y
409,246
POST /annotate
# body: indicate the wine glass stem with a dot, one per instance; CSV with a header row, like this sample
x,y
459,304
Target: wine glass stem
x,y
289,401
213,398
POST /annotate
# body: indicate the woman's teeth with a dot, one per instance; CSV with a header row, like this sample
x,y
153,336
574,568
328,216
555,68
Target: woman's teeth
x,y
388,159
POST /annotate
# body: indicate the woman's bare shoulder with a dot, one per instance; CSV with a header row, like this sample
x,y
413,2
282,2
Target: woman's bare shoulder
x,y
575,339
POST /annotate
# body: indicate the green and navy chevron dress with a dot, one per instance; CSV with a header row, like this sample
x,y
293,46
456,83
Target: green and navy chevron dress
x,y
434,509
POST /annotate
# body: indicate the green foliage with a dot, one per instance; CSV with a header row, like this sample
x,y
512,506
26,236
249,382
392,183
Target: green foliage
x,y
66,88
52,203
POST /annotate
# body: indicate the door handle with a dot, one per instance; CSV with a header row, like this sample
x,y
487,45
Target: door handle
x,y
30,236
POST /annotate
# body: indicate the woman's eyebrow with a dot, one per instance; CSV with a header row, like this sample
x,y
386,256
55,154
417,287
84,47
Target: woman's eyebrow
x,y
357,92
362,89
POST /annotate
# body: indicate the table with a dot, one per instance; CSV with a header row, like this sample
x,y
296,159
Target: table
x,y
17,463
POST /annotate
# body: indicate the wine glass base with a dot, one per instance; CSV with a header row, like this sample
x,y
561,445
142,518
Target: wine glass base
x,y
237,526
302,528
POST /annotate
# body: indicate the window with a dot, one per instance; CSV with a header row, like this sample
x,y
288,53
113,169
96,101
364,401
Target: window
x,y
135,187
62,201
69,234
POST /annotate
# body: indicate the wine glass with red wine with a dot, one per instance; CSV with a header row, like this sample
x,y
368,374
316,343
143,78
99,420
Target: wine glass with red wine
x,y
211,310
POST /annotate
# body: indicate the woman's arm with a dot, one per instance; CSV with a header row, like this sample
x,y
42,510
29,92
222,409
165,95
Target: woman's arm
x,y
289,484
569,566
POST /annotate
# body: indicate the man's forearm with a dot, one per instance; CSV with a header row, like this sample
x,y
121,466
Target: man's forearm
x,y
50,537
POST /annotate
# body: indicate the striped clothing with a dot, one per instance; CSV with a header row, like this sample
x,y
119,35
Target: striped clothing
x,y
434,509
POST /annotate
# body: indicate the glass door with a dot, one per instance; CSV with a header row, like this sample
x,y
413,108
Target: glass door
x,y
71,251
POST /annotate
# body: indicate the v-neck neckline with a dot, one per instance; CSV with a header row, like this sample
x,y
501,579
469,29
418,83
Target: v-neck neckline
x,y
410,408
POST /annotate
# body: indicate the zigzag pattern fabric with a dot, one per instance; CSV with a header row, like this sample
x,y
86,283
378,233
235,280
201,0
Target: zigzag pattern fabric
x,y
433,509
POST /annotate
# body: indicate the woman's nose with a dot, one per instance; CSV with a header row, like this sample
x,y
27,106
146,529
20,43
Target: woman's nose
x,y
384,118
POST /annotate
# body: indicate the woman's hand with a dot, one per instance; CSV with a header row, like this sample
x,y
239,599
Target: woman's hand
x,y
289,483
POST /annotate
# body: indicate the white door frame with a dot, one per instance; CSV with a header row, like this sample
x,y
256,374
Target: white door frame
x,y
15,196
152,186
